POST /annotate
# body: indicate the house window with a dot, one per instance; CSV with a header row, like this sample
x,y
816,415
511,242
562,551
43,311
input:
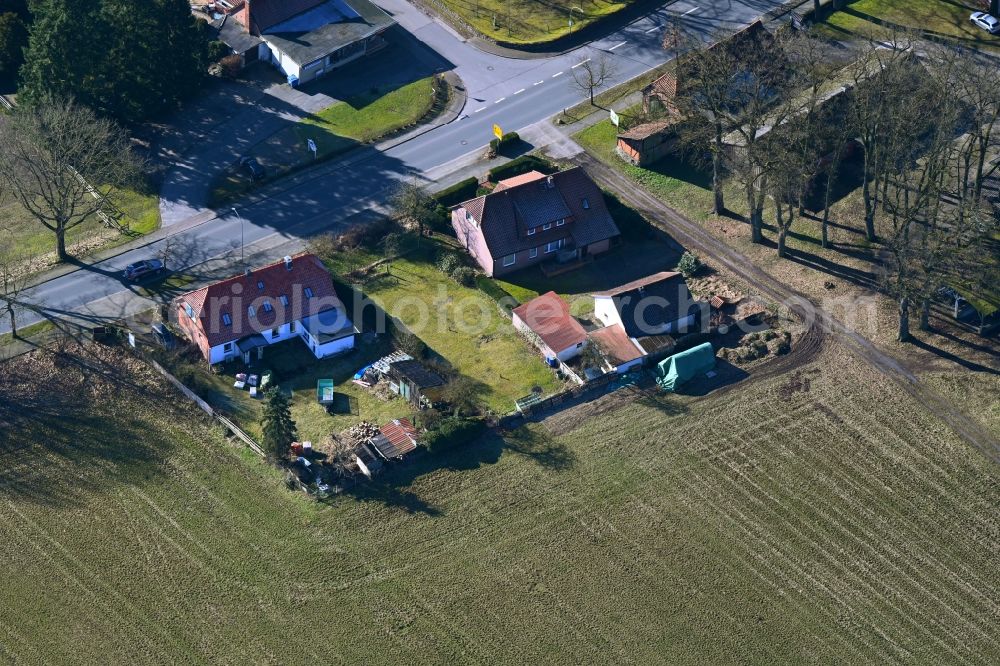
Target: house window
x,y
283,299
509,260
553,246
251,311
275,332
532,253
586,204
227,319
308,292
189,311
546,227
291,327
260,285
268,307
531,231
227,348
561,222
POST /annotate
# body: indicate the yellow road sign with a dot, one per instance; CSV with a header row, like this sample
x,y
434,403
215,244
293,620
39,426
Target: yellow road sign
x,y
497,131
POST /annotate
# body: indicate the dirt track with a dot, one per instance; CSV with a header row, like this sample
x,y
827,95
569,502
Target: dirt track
x,y
818,322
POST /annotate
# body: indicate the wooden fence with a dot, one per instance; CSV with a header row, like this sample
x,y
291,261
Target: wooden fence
x,y
207,408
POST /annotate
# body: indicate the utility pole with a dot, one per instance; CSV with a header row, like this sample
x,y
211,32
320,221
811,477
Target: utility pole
x,y
242,257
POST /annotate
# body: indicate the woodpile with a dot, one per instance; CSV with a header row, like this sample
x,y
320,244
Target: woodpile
x,y
360,432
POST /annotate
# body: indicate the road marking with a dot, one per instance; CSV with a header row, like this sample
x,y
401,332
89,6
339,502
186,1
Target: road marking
x,y
482,108
500,100
519,91
538,83
690,11
617,45
583,62
653,29
556,74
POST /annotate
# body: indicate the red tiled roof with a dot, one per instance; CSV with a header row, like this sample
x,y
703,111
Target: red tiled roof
x,y
613,341
266,285
514,181
399,437
548,316
647,130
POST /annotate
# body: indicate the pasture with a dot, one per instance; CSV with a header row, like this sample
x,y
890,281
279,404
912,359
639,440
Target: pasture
x,y
782,520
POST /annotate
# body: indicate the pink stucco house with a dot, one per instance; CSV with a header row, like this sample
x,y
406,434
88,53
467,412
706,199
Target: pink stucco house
x,y
533,218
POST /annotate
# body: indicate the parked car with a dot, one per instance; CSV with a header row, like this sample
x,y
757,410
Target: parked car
x,y
990,24
163,335
143,269
252,168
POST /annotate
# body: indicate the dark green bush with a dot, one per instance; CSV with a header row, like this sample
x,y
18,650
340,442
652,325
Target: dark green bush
x,y
465,276
451,432
448,263
508,139
519,165
461,191
689,264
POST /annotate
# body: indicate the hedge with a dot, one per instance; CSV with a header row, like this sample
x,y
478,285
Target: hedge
x,y
457,193
506,140
451,432
519,165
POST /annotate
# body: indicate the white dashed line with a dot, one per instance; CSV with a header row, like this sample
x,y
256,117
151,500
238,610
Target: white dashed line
x,y
556,74
583,62
538,83
691,11
653,29
482,108
500,100
617,45
519,91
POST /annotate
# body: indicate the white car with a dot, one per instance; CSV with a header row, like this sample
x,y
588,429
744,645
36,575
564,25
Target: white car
x,y
990,24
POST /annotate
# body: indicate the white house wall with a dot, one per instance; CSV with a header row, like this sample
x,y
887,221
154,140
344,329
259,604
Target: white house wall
x,y
605,310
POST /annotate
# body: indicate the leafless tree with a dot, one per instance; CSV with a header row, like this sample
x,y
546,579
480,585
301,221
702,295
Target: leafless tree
x,y
53,153
413,206
592,74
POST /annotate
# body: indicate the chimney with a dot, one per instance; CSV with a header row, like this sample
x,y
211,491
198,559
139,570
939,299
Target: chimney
x,y
288,262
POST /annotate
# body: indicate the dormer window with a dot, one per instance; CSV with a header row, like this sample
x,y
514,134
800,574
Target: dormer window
x,y
283,299
227,319
308,292
251,311
268,307
561,222
546,227
260,285
531,231
586,204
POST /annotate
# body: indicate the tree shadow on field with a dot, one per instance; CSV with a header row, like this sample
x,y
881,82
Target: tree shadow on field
x,y
543,450
60,444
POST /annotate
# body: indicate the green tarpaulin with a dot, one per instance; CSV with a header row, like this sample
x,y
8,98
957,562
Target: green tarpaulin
x,y
679,368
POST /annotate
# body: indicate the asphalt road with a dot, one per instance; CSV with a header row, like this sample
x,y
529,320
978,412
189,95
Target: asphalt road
x,y
510,92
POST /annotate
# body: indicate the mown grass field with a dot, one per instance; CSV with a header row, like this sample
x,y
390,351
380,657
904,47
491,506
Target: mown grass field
x,y
530,21
362,118
37,243
781,522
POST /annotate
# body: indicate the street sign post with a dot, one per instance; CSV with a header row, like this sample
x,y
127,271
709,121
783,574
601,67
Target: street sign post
x,y
497,131
614,117
312,147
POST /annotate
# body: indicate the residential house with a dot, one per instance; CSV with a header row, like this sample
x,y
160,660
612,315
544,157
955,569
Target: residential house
x,y
244,314
415,382
547,319
533,218
304,39
649,313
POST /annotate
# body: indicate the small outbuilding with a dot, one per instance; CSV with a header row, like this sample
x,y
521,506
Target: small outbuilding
x,y
395,439
556,332
415,382
681,368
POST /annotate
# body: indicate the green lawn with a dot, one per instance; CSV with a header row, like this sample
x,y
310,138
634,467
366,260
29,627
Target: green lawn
x,y
142,213
363,118
784,522
530,21
934,18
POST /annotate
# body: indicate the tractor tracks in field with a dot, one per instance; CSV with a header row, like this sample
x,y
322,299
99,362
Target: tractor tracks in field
x,y
818,324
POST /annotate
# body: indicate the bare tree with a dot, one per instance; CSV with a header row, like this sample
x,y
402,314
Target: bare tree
x,y
51,156
591,74
413,206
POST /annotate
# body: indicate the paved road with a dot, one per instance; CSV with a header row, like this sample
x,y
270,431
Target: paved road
x,y
513,93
